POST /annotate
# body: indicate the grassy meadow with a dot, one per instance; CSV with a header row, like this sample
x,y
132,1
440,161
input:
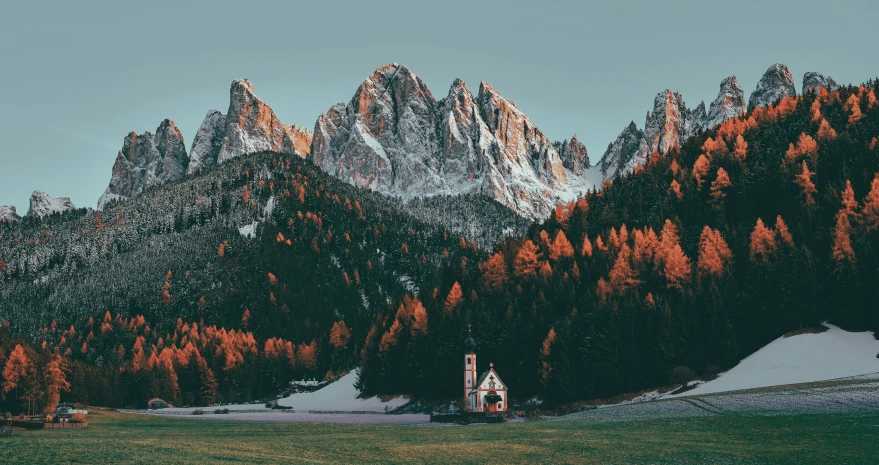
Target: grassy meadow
x,y
126,438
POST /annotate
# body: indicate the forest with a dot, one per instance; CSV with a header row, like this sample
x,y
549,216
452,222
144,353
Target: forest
x,y
227,286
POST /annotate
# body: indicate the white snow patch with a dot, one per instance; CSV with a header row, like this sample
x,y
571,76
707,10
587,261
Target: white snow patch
x,y
270,207
804,358
340,395
248,231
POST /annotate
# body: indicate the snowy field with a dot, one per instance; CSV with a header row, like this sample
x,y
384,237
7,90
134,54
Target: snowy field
x,y
336,402
849,395
800,359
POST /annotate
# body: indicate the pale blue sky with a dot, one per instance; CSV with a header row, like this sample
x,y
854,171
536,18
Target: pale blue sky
x,y
78,76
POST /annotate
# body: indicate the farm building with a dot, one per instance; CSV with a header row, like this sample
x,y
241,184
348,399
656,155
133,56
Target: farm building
x,y
486,393
158,403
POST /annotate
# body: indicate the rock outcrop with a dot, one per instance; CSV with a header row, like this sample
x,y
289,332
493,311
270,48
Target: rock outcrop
x,y
573,155
8,214
43,204
248,126
394,137
813,81
776,84
146,160
730,103
620,155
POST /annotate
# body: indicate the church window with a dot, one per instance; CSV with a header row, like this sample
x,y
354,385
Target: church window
x,y
468,360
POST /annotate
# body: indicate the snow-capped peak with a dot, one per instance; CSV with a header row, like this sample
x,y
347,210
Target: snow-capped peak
x,y
8,214
812,81
43,204
776,83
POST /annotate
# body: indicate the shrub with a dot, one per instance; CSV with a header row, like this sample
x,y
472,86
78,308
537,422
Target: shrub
x,y
198,411
681,375
78,417
223,411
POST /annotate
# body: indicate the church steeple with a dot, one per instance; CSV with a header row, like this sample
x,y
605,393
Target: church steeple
x,y
469,372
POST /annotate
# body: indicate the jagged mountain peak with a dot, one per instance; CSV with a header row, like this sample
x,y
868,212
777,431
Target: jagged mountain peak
x,y
775,84
730,103
8,214
619,156
394,137
146,160
573,155
43,204
812,81
248,126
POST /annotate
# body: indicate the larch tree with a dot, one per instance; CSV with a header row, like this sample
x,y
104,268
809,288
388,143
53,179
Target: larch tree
x,y
675,189
842,251
700,169
494,273
853,106
454,298
870,212
740,148
527,260
339,335
586,248
782,231
807,187
849,203
714,253
622,276
561,247
545,352
55,382
719,186
825,132
762,242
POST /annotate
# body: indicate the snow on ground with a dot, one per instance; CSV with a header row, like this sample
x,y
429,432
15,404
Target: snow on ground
x,y
804,358
248,231
340,395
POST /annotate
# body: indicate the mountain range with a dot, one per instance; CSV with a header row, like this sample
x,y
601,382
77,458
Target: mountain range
x,y
394,137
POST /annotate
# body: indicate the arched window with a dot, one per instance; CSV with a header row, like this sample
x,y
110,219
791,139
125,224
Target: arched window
x,y
468,360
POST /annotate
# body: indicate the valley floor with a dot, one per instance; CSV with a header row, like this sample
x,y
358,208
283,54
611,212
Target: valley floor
x,y
735,437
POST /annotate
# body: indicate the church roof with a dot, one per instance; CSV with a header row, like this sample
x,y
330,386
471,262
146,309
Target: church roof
x,y
485,375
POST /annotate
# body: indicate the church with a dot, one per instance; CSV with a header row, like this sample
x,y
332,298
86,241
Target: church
x,y
487,393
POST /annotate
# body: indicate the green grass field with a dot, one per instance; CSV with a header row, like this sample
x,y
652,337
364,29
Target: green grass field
x,y
124,438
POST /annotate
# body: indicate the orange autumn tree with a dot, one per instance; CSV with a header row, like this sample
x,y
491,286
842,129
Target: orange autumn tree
x,y
870,212
454,298
782,232
675,264
339,335
527,260
675,189
55,381
494,273
545,352
719,186
622,276
741,148
825,132
842,251
807,187
849,203
806,145
561,247
714,253
700,169
762,242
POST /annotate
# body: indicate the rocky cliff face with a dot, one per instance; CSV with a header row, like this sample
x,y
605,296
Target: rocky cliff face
x,y
43,204
573,155
248,126
730,103
670,124
620,155
775,84
8,214
146,160
813,81
396,138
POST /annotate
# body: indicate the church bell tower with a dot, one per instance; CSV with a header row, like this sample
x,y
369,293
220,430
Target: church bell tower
x,y
469,372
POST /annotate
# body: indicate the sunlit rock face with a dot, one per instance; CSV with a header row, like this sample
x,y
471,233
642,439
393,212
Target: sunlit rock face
x,y
669,125
248,126
730,103
620,156
8,214
813,81
43,204
573,155
394,137
776,84
146,160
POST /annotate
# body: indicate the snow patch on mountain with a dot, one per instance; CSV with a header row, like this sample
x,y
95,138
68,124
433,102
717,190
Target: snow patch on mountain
x,y
813,81
8,214
43,204
776,83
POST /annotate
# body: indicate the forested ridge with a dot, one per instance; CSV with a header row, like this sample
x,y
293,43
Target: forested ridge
x,y
761,226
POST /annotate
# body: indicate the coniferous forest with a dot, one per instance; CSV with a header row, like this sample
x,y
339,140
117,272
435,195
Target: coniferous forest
x,y
228,285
